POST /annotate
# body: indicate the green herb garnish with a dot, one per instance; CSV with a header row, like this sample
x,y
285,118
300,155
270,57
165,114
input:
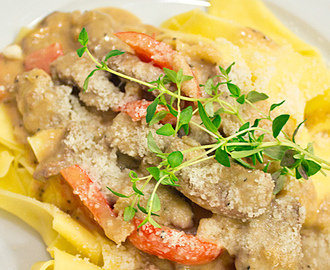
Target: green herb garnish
x,y
244,147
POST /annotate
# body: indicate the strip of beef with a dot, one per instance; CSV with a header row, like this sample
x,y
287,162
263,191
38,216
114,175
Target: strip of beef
x,y
42,104
233,191
101,92
271,241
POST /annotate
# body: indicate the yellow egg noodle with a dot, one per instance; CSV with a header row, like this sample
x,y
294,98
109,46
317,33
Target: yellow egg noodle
x,y
273,57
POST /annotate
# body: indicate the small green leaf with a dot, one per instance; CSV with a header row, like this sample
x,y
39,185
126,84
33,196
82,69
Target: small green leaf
x,y
172,110
86,82
129,213
313,167
174,178
241,99
206,120
276,152
166,130
155,172
171,74
279,180
112,54
81,51
279,123
145,221
158,116
229,68
185,128
142,209
275,105
136,189
151,110
223,71
217,121
175,159
266,167
152,144
234,90
117,194
245,164
244,127
208,87
166,181
255,96
154,204
256,122
83,37
185,115
296,130
162,100
302,172
179,75
153,223
310,148
209,109
288,160
222,157
186,78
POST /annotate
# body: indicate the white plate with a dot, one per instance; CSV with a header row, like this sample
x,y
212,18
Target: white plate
x,y
21,246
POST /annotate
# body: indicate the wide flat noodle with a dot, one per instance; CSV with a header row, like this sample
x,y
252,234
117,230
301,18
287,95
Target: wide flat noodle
x,y
254,14
57,229
308,73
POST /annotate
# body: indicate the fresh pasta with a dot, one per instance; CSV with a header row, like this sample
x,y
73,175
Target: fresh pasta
x,y
177,151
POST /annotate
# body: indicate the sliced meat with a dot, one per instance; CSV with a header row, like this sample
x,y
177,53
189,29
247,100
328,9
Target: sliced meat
x,y
131,65
42,104
235,192
101,92
271,241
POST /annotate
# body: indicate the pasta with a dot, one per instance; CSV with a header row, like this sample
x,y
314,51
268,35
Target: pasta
x,y
102,132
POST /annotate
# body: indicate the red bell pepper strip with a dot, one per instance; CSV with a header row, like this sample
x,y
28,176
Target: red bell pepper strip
x,y
173,245
43,58
89,193
149,49
138,110
163,242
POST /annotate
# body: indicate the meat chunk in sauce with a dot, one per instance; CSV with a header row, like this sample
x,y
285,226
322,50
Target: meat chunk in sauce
x,y
316,249
271,241
235,192
41,103
101,92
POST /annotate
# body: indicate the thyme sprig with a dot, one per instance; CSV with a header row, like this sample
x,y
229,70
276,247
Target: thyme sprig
x,y
247,146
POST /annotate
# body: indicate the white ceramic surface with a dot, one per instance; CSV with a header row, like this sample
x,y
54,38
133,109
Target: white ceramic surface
x,y
21,246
